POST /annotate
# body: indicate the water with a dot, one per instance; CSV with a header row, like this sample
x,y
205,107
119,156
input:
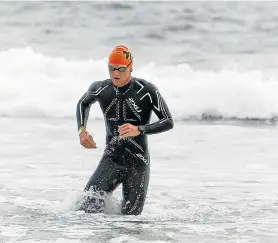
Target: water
x,y
222,187
213,177
198,33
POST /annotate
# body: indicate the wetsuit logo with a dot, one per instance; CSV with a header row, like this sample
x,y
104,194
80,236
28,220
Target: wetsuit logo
x,y
134,105
142,158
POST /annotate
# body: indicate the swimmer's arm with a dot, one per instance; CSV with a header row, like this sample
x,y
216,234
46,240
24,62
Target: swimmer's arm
x,y
162,111
84,104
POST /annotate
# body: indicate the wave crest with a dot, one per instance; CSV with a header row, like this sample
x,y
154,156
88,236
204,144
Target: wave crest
x,y
34,85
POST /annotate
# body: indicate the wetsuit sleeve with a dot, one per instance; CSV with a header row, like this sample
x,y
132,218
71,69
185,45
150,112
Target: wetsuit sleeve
x,y
84,104
161,110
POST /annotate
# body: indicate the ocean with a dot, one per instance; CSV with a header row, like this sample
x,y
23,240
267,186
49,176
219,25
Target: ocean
x,y
213,177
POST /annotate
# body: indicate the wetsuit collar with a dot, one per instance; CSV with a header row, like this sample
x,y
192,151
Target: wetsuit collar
x,y
125,87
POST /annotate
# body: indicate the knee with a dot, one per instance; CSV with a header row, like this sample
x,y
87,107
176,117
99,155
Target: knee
x,y
93,201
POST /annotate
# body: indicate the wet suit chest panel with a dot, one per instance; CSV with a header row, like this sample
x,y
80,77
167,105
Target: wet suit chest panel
x,y
129,105
137,104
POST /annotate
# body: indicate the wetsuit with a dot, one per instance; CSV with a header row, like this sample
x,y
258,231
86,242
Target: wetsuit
x,y
125,160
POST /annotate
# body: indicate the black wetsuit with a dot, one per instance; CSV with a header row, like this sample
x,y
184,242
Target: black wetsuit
x,y
125,160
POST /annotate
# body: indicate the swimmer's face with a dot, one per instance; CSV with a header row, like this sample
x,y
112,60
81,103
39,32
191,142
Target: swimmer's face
x,y
120,74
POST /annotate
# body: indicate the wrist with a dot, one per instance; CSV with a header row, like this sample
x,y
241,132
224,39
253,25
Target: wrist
x,y
142,129
82,129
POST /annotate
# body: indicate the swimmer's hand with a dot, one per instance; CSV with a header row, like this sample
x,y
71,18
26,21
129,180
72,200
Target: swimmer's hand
x,y
87,140
128,130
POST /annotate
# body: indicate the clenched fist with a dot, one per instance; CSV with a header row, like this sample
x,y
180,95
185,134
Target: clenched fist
x,y
87,140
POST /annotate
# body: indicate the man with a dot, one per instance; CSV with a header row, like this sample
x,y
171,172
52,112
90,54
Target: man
x,y
127,103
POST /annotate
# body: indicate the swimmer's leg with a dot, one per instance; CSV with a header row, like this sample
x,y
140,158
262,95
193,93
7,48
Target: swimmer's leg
x,y
135,187
104,180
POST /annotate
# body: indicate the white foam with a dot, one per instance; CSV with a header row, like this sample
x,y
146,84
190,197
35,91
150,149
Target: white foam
x,y
125,239
60,240
74,200
33,85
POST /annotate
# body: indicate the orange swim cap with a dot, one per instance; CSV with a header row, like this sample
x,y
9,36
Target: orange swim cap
x,y
120,55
